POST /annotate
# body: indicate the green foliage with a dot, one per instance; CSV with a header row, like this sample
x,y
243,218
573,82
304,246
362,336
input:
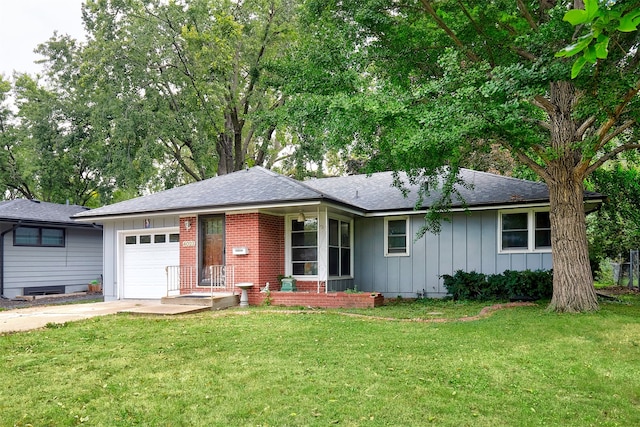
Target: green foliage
x,y
160,94
599,23
614,229
510,284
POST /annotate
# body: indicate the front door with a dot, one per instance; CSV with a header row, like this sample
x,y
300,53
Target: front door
x,y
212,248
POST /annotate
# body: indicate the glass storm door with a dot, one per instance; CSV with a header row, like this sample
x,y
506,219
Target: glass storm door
x,y
212,247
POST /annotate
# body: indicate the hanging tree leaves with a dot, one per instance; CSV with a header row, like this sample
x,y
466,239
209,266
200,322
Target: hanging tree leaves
x,y
453,78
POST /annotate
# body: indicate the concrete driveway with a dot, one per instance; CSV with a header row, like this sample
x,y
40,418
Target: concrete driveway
x,y
24,319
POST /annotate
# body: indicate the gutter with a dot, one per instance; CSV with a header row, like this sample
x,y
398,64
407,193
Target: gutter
x,y
2,256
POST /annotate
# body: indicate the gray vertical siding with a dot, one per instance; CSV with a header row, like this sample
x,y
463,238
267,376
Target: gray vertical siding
x,y
467,242
110,243
72,266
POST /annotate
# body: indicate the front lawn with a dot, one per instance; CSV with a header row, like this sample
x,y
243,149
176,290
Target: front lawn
x,y
520,366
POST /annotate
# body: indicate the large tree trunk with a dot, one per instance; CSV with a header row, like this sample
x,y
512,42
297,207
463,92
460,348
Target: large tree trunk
x,y
573,289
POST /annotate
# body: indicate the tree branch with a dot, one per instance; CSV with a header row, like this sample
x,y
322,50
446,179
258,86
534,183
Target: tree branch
x,y
544,103
584,126
524,54
541,171
606,126
431,11
626,125
610,155
525,12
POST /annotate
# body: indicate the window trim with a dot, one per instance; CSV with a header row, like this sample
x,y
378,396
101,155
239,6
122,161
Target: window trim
x,y
39,243
531,231
289,248
407,242
351,242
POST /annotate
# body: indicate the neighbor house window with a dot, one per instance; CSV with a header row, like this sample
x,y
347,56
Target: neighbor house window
x,y
339,248
396,231
525,231
39,236
304,247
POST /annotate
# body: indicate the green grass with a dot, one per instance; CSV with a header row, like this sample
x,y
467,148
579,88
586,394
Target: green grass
x,y
522,366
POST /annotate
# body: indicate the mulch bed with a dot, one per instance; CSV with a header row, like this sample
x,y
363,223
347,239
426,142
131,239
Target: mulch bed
x,y
613,291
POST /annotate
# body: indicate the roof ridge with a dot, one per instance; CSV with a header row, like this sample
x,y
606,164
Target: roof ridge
x,y
503,176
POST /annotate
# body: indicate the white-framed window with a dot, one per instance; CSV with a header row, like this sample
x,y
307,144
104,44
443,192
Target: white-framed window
x,y
304,247
524,230
396,236
339,257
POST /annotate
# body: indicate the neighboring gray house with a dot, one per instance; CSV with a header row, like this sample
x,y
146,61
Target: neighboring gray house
x,y
330,234
44,251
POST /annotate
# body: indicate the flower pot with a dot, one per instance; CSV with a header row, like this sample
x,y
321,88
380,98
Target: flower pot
x,y
94,289
288,284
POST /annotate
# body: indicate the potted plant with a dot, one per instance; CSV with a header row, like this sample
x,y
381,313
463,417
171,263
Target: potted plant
x,y
287,284
94,287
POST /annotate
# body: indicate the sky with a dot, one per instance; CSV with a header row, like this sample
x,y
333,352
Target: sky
x,y
24,24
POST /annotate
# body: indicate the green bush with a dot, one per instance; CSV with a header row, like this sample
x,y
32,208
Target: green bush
x,y
508,285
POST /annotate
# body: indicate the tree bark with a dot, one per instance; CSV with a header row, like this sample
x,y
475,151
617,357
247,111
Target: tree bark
x,y
573,289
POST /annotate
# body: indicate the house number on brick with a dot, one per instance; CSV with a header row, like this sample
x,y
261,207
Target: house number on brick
x,y
188,243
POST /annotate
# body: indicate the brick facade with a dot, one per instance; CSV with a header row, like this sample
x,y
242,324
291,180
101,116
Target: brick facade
x,y
263,235
188,241
328,300
188,250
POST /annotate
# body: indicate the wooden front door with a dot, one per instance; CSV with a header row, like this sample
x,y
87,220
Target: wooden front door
x,y
212,246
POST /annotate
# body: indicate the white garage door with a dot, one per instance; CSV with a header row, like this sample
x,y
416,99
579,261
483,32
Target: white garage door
x,y
145,256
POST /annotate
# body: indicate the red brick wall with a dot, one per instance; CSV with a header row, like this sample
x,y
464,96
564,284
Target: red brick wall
x,y
242,230
328,300
263,235
188,250
309,286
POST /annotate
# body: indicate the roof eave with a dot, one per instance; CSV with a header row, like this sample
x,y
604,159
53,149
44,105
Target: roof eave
x,y
201,209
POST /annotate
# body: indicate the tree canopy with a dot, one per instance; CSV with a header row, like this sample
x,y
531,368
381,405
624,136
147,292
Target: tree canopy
x,y
449,79
161,93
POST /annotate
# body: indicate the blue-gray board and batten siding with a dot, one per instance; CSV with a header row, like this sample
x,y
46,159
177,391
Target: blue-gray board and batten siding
x,y
71,267
467,242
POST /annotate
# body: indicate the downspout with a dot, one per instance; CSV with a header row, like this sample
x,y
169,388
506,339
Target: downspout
x,y
2,256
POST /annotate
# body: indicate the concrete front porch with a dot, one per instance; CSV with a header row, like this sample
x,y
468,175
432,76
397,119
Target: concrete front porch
x,y
215,301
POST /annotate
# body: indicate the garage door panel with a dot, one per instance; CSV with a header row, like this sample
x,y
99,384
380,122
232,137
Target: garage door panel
x,y
144,264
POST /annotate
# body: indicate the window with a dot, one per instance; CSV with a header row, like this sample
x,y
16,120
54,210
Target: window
x,y
159,238
131,240
304,247
145,239
174,237
543,230
396,233
515,233
339,248
525,231
39,236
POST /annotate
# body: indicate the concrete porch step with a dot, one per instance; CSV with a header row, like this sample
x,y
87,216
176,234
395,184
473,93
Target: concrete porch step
x,y
217,302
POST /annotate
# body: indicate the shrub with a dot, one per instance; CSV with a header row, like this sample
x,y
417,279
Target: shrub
x,y
508,285
466,286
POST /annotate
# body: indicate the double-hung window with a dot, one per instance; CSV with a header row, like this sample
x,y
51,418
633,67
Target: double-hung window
x,y
396,240
339,248
524,231
304,247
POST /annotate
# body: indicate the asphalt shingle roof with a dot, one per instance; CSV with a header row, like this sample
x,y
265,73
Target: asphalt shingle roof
x,y
255,186
39,212
377,193
370,193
